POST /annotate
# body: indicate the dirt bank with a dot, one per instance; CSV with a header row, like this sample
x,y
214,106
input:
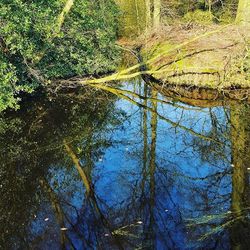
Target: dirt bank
x,y
214,56
205,56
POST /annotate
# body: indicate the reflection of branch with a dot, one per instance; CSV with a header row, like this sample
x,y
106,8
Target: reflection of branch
x,y
228,220
91,194
78,167
211,176
58,212
182,73
174,124
145,140
37,121
122,91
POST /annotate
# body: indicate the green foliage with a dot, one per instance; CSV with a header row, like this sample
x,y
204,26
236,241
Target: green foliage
x,y
198,16
186,6
225,16
8,87
223,11
33,52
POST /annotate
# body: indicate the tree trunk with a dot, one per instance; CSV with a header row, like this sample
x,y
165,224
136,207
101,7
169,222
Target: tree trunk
x,y
157,13
148,13
243,12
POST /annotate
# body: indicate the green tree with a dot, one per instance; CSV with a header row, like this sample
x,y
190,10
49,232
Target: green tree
x,y
41,41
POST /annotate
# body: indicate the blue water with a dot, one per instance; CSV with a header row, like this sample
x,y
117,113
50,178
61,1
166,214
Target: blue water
x,y
180,200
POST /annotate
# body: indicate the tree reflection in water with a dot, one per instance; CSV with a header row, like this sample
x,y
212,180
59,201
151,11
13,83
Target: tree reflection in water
x,y
124,171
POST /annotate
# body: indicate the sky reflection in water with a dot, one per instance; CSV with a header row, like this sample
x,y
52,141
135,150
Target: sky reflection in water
x,y
146,182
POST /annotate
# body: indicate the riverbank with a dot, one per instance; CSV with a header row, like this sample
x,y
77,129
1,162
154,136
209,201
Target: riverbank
x,y
214,56
184,62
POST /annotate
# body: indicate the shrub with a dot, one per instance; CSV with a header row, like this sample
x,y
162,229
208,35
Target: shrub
x,y
33,51
199,17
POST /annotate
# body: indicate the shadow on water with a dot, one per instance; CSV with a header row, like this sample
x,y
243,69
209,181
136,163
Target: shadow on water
x,y
125,167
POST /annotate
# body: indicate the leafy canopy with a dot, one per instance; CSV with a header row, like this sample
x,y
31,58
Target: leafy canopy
x,y
35,49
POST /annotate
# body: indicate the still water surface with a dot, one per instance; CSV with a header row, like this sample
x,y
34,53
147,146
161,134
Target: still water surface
x,y
93,170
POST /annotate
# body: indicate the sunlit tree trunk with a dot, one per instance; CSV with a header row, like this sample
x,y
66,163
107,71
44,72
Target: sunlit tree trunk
x,y
210,8
134,17
56,28
243,12
157,13
148,14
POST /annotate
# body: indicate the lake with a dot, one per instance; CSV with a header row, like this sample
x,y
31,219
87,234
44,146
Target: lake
x,y
88,169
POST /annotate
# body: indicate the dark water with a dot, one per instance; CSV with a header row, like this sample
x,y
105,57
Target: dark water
x,y
93,170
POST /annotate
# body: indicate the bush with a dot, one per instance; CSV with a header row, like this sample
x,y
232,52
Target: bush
x,y
199,17
33,53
